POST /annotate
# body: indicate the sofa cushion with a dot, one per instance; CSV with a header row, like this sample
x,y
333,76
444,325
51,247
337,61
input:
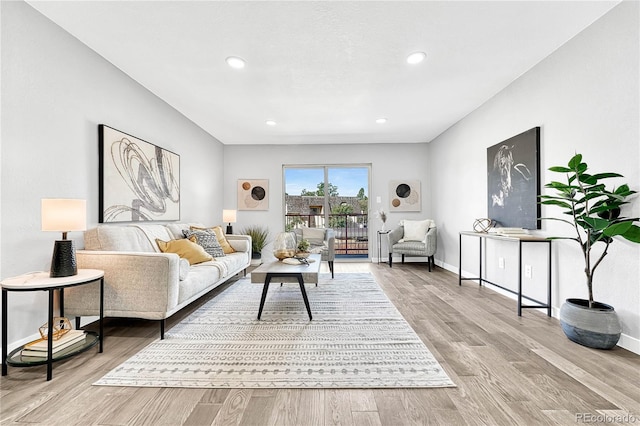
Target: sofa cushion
x,y
118,238
416,230
176,229
185,249
207,239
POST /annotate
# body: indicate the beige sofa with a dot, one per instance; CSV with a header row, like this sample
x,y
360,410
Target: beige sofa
x,y
141,281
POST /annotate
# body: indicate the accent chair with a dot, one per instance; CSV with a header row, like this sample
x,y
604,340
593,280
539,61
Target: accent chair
x,y
322,241
414,238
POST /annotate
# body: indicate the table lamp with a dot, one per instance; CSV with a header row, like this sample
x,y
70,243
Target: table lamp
x,y
64,215
229,216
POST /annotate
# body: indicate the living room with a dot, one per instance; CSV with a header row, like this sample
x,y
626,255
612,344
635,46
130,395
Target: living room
x,y
56,90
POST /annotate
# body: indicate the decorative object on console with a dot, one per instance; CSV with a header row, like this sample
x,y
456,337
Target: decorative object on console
x,y
482,225
229,216
253,194
139,181
63,215
513,170
284,245
584,198
61,326
404,195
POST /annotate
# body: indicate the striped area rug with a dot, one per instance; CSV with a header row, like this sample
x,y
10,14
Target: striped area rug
x,y
357,339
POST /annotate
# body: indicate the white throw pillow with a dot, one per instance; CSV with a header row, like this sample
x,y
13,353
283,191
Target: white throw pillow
x,y
315,236
415,230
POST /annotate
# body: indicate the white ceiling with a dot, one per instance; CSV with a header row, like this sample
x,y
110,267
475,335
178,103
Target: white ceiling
x,y
324,71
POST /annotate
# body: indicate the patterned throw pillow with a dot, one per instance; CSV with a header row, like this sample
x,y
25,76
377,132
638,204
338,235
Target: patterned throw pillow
x,y
222,239
206,239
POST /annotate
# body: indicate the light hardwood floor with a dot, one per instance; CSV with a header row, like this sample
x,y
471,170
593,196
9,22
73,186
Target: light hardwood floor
x,y
509,370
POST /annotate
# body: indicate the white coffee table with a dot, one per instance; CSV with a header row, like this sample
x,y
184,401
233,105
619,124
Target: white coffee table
x,y
287,273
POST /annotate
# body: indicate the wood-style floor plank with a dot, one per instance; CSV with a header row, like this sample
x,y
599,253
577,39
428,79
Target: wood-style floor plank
x,y
508,370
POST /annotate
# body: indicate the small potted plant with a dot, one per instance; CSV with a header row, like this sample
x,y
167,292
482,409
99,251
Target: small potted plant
x,y
303,248
259,238
593,213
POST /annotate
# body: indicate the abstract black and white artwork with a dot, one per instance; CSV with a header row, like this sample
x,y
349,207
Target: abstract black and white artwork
x,y
513,174
404,196
253,194
139,181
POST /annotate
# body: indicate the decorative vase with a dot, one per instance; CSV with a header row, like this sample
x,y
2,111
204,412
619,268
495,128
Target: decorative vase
x,y
284,246
597,327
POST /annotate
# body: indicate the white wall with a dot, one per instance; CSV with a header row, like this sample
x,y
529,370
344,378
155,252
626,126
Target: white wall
x,y
388,161
585,98
55,92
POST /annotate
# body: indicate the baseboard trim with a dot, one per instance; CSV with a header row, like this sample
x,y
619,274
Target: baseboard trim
x,y
627,342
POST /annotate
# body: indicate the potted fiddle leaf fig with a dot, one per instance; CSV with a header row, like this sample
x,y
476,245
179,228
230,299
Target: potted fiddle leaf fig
x,y
259,237
593,211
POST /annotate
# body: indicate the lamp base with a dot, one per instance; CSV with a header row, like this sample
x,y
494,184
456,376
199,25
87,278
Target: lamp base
x,y
229,229
63,261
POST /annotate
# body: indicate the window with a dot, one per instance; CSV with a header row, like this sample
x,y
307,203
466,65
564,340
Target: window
x,y
336,197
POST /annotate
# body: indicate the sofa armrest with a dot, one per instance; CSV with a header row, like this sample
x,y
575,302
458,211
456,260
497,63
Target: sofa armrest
x,y
431,240
136,284
395,235
241,243
330,239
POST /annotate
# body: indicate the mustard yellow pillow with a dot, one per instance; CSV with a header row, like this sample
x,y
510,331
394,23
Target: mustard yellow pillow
x,y
226,247
185,249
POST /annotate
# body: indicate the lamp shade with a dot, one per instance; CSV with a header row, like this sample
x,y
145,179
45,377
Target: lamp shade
x,y
229,216
64,215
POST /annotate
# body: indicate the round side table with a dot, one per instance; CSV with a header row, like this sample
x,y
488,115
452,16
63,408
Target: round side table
x,y
40,281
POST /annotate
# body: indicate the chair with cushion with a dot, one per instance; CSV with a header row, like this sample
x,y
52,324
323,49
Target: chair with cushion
x,y
414,238
321,240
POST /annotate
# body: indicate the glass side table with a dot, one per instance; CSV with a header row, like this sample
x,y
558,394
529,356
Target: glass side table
x,y
40,281
380,234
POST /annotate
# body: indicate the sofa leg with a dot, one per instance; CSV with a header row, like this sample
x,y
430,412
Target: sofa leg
x,y
161,329
78,323
403,258
390,260
331,268
429,262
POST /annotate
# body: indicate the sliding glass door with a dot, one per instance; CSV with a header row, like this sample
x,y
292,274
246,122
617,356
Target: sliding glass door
x,y
330,196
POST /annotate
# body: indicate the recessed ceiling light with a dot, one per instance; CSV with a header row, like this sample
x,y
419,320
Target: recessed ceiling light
x,y
416,57
270,123
381,120
236,62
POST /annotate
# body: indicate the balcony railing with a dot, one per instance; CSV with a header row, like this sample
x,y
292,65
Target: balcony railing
x,y
352,235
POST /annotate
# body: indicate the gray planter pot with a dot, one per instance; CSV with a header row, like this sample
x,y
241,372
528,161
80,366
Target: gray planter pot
x,y
598,327
256,258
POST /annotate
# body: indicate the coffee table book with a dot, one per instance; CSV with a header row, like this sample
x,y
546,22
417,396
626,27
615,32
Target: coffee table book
x,y
38,348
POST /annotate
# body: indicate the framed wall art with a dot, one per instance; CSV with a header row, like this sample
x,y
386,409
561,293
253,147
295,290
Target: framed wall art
x,y
139,181
253,194
405,196
513,181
